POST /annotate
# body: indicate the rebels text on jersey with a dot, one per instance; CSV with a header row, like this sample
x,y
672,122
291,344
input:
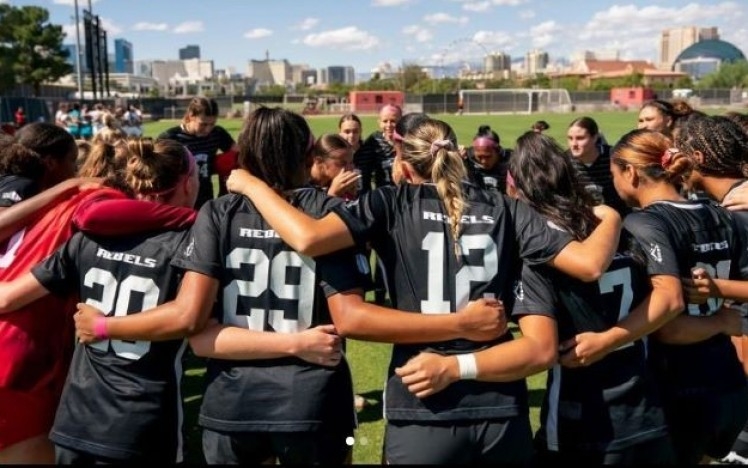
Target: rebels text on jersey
x,y
677,237
611,404
267,286
409,230
137,383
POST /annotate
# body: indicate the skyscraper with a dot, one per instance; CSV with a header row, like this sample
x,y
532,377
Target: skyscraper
x,y
123,62
189,52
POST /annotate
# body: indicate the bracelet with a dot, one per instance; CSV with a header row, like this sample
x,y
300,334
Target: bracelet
x,y
467,366
99,328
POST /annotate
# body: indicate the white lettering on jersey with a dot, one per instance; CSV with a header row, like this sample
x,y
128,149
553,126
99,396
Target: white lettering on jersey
x,y
655,252
258,233
709,246
127,258
467,219
14,196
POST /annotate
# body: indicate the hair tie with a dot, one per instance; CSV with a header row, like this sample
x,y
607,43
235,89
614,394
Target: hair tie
x,y
439,144
510,180
485,142
667,157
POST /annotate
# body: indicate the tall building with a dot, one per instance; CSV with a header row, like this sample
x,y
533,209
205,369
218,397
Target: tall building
x,y
536,61
674,41
189,52
497,62
270,72
123,62
337,74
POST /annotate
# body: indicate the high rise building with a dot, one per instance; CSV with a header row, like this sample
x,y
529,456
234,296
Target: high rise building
x,y
189,52
123,62
676,40
536,61
497,62
337,74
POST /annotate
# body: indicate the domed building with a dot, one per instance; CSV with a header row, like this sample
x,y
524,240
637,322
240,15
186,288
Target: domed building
x,y
705,57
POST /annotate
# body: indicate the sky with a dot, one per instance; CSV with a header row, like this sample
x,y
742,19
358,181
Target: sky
x,y
369,33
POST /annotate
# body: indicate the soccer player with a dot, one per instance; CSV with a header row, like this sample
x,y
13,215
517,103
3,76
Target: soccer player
x,y
719,147
200,134
591,158
705,393
134,382
488,161
609,412
278,386
332,167
39,156
443,243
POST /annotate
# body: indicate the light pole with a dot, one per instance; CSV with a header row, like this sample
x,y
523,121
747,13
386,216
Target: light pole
x,y
78,52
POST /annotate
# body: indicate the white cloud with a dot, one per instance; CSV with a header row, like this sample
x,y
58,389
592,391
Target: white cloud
x,y
189,27
258,33
420,34
306,24
145,26
111,27
544,33
527,14
68,2
439,18
348,38
389,3
508,2
476,6
493,39
643,26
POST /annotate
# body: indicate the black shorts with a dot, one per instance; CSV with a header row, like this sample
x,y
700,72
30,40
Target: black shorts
x,y
657,451
706,424
287,448
474,442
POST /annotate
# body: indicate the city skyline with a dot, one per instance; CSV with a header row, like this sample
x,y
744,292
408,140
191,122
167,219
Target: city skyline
x,y
324,33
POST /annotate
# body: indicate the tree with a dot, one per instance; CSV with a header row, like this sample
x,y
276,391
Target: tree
x,y
729,75
32,46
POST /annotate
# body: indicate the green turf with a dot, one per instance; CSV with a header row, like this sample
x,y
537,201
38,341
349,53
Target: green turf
x,y
369,360
509,127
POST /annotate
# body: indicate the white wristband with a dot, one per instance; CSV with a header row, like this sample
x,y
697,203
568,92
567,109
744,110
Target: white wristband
x,y
467,366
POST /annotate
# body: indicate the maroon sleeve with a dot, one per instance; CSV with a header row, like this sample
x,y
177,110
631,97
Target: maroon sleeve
x,y
127,216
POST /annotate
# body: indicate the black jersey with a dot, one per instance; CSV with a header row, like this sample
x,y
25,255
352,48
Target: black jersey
x,y
16,188
204,148
408,229
677,237
494,178
613,403
374,159
122,398
597,179
267,286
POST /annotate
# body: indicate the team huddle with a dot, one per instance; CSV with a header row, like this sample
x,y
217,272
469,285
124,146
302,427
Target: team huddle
x,y
623,267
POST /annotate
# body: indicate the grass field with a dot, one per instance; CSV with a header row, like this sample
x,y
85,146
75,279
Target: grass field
x,y
369,360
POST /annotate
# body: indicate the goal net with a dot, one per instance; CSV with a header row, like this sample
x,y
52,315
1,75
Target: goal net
x,y
517,100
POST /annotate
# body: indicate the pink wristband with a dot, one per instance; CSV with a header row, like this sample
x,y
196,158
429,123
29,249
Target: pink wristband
x,y
99,328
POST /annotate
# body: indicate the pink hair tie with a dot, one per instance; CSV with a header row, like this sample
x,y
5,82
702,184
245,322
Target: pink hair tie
x,y
667,157
510,180
485,142
439,144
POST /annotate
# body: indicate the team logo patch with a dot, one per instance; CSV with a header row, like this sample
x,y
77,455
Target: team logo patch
x,y
519,291
190,249
655,252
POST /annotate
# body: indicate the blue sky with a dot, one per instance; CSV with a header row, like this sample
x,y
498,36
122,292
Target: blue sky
x,y
367,33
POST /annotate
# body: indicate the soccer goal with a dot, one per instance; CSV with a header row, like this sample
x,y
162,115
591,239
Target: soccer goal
x,y
516,100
